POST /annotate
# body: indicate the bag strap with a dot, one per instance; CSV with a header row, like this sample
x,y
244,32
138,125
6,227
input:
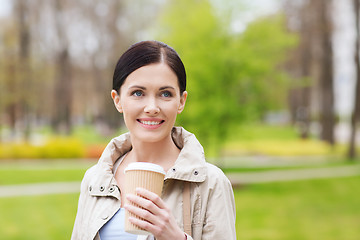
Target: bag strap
x,y
186,208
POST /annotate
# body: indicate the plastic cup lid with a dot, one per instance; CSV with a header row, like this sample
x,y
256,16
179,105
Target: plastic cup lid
x,y
145,166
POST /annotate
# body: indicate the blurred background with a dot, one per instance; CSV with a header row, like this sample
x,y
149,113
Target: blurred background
x,y
274,97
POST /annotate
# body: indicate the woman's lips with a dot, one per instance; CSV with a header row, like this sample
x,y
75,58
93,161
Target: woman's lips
x,y
151,123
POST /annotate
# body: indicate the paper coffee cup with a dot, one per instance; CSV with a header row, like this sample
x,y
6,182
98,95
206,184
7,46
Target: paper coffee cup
x,y
145,175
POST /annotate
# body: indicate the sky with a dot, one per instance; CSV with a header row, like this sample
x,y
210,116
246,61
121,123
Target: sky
x,y
4,7
344,43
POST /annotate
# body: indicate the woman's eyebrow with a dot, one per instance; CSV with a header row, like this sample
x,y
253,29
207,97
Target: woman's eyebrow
x,y
166,87
137,86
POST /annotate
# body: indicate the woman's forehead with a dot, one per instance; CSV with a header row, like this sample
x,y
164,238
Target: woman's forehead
x,y
152,75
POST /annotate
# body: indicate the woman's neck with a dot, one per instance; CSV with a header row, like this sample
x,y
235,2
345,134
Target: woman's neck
x,y
163,153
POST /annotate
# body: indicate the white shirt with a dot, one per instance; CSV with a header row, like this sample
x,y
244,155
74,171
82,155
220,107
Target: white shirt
x,y
114,229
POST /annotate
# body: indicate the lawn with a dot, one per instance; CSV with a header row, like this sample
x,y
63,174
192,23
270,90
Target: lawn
x,y
316,209
40,217
42,175
326,209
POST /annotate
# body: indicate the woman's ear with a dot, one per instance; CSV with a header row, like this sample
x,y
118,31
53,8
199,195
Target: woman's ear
x,y
116,98
182,101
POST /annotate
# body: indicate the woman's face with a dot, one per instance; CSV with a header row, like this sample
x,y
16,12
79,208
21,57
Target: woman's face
x,y
150,101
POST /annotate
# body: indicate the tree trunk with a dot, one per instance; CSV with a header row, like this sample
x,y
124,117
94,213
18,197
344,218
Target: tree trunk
x,y
300,65
327,117
24,66
63,90
63,94
303,112
12,86
356,114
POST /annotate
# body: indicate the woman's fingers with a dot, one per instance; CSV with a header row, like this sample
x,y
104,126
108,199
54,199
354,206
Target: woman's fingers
x,y
151,196
154,215
144,203
142,213
152,218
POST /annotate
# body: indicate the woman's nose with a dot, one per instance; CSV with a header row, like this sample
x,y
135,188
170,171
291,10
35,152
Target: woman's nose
x,y
152,107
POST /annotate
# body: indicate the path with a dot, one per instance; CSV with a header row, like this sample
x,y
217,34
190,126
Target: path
x,y
292,175
39,189
237,179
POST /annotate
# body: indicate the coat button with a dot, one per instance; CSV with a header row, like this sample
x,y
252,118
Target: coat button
x,y
174,169
111,189
102,188
196,173
90,188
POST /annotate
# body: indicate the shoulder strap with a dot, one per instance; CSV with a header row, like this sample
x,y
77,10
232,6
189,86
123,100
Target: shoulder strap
x,y
186,208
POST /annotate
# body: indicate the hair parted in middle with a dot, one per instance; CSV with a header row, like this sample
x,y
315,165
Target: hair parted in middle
x,y
145,53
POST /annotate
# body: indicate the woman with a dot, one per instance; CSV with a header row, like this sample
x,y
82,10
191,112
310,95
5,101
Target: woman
x,y
149,90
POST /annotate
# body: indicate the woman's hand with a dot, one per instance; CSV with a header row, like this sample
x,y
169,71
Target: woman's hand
x,y
159,219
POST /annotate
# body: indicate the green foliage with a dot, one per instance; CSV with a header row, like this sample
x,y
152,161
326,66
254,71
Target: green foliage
x,y
232,78
88,135
262,47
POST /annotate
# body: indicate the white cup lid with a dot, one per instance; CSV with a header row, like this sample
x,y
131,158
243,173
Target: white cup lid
x,y
145,166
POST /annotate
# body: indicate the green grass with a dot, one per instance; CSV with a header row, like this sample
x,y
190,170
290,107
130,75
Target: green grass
x,y
276,140
40,175
315,209
260,131
294,147
29,171
40,217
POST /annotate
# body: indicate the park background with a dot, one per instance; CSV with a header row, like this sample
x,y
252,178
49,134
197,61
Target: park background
x,y
274,97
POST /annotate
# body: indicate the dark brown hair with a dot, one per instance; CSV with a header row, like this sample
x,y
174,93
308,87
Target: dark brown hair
x,y
144,53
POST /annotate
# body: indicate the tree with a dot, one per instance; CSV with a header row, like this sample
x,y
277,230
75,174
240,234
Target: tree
x,y
327,115
300,19
51,50
232,78
9,103
63,91
312,68
24,69
356,114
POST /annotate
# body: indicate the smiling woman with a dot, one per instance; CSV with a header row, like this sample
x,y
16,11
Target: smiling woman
x,y
150,100
197,201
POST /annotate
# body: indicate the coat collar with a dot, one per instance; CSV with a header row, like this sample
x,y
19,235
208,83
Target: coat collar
x,y
189,166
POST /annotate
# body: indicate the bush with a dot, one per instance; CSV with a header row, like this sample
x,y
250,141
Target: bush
x,y
58,147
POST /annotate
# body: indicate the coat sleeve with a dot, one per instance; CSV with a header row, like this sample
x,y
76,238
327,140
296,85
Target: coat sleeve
x,y
221,211
79,215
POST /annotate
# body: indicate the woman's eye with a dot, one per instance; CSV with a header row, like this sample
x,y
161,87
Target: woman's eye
x,y
137,93
166,94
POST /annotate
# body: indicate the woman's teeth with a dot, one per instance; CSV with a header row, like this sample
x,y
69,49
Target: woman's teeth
x,y
150,123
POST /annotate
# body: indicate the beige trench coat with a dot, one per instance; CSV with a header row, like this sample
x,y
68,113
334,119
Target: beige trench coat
x,y
212,199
